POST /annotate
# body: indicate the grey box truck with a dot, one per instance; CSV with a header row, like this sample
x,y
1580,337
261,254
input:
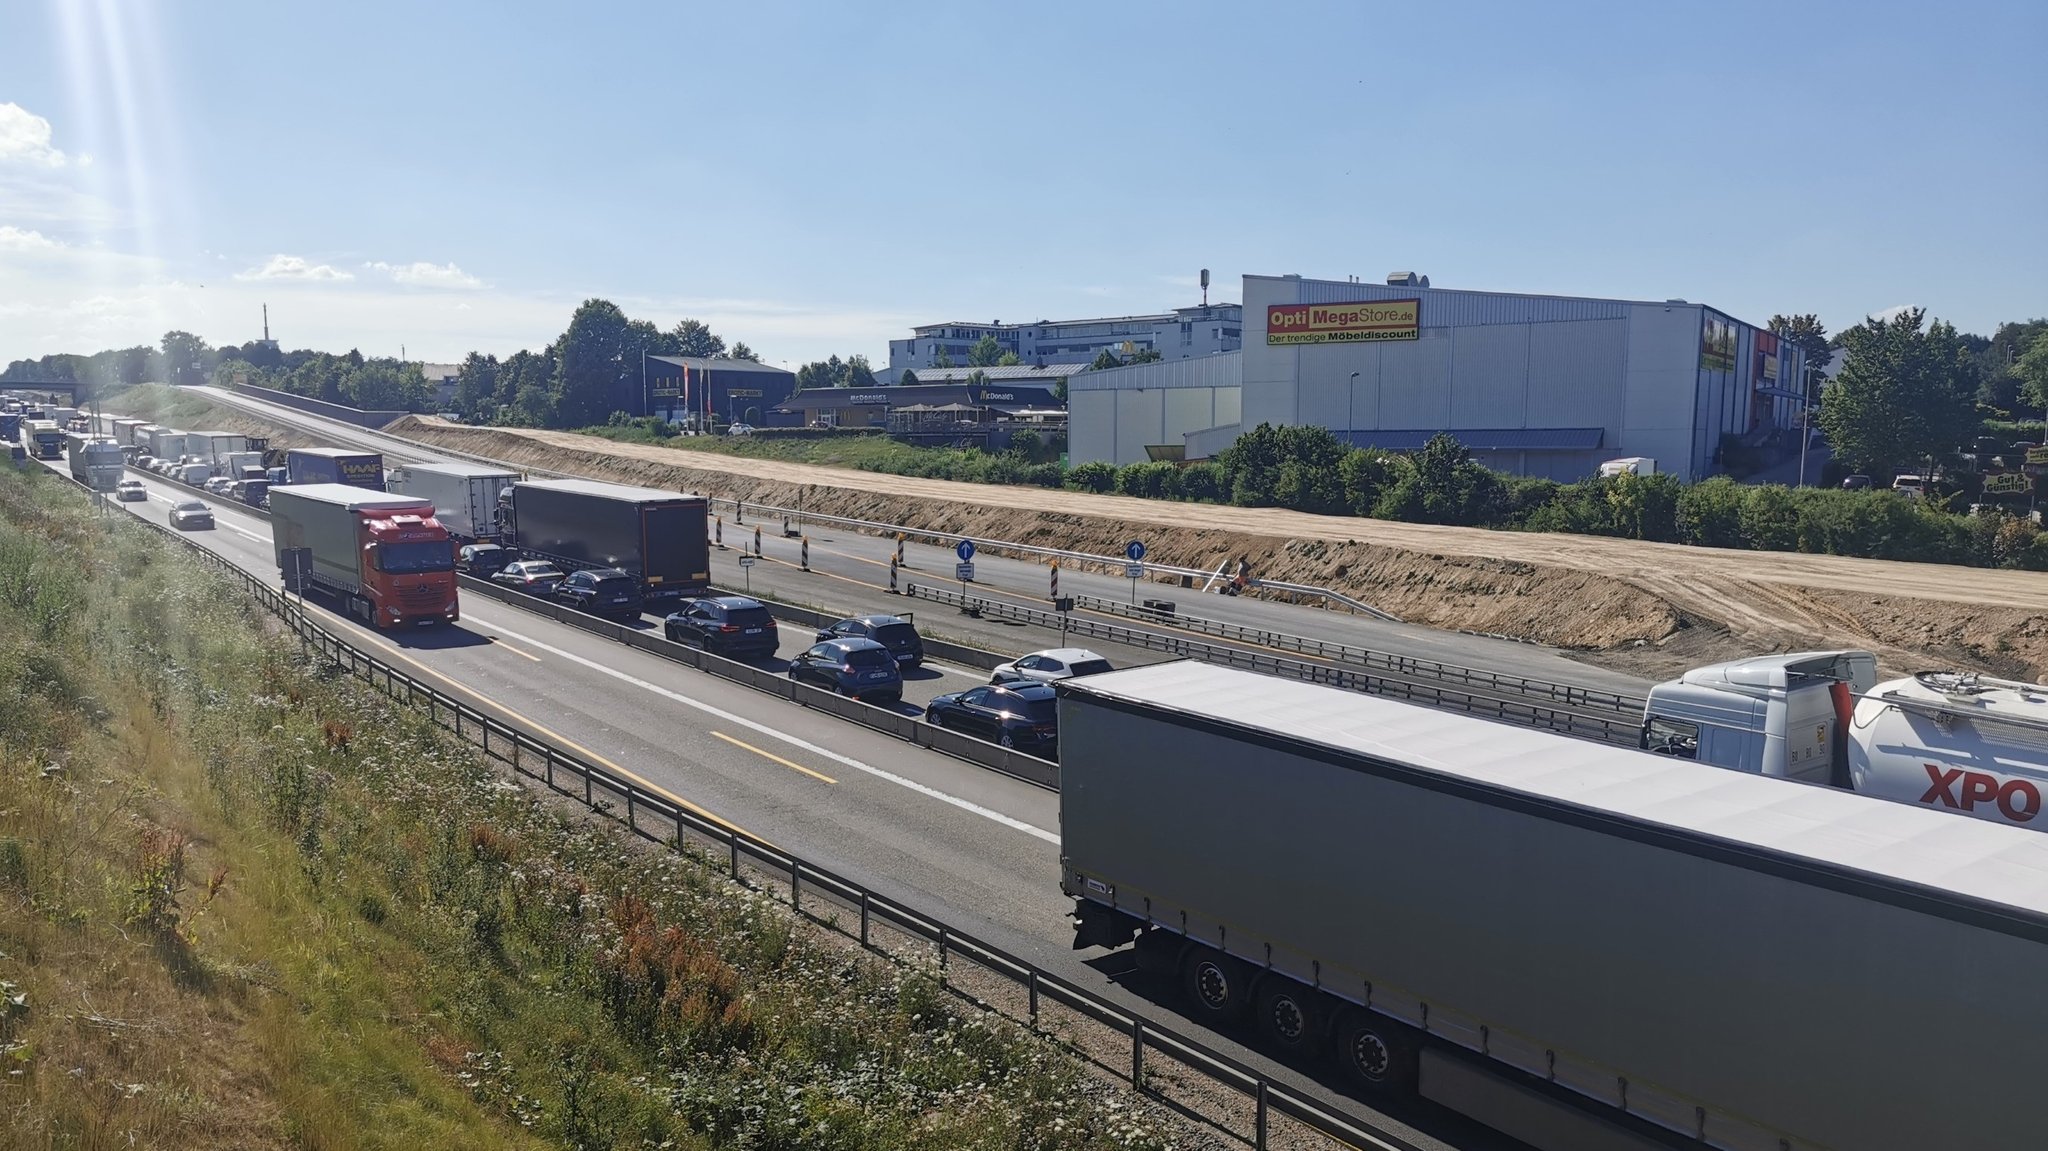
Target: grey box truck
x,y
335,466
1580,945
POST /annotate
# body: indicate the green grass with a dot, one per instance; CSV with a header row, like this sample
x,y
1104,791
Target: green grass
x,y
876,453
161,403
255,904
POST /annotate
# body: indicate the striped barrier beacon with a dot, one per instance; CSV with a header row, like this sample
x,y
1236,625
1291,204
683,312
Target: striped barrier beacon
x,y
1055,579
892,575
757,539
806,562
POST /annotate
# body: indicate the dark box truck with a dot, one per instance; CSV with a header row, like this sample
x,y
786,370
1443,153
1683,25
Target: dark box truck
x,y
1584,946
335,466
657,536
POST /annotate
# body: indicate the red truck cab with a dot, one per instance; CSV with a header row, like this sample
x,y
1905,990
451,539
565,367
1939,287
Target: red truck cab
x,y
408,570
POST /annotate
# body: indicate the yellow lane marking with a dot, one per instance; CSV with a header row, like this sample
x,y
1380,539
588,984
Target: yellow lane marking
x,y
772,756
565,741
515,651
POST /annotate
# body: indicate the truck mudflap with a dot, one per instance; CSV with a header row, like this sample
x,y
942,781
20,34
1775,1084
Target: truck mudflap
x,y
1096,925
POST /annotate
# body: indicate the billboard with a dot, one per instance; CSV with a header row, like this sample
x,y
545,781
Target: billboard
x,y
1717,343
1358,322
1766,358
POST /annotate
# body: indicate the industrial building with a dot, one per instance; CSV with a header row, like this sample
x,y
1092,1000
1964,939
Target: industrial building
x,y
1530,384
682,388
1184,333
872,407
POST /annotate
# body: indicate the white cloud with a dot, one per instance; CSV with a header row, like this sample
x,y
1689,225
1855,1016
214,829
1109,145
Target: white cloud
x,y
25,138
422,274
13,239
1893,312
283,267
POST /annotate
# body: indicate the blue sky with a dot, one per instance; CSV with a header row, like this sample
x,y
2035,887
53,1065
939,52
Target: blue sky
x,y
814,178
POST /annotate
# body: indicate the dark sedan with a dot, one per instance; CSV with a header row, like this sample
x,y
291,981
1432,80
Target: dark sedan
x,y
608,592
860,668
1019,716
891,631
729,625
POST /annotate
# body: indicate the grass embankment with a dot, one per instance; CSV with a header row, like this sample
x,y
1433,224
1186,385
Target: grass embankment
x,y
244,902
162,404
867,453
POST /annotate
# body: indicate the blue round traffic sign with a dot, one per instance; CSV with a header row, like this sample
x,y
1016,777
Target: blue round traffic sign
x,y
1134,551
965,550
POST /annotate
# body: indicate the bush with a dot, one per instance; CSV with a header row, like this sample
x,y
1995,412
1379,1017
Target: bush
x,y
1709,514
1643,507
1523,497
1094,476
1365,474
1154,479
1204,482
1443,487
1770,519
1580,508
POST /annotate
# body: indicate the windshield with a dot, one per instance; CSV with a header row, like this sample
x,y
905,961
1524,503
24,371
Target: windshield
x,y
869,657
427,556
1088,667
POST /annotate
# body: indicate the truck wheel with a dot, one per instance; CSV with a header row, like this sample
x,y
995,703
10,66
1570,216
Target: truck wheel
x,y
1291,1017
1215,984
1377,1053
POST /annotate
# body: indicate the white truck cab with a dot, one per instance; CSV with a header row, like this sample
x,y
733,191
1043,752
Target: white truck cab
x,y
1774,715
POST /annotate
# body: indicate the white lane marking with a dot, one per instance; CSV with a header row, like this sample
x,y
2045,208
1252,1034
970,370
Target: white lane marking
x,y
793,741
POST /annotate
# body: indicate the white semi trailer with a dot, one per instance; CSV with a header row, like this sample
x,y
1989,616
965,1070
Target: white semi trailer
x,y
1583,946
465,495
1955,742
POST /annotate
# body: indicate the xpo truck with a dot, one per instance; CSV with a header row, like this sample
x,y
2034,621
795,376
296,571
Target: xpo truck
x,y
384,558
96,461
658,537
1582,946
335,466
1951,741
465,495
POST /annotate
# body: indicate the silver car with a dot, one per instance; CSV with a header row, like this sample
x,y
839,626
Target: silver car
x,y
189,514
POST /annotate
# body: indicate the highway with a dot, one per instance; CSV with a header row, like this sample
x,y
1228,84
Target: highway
x,y
972,848
849,572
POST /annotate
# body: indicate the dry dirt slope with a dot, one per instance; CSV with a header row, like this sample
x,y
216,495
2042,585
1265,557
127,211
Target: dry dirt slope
x,y
1654,608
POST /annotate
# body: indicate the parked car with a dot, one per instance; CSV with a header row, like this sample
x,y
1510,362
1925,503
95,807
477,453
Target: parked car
x,y
1018,715
1855,483
730,625
1910,485
130,490
891,631
740,430
482,560
190,514
860,668
1046,666
534,577
608,592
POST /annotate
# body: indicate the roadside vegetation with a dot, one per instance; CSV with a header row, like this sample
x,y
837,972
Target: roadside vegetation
x,y
246,902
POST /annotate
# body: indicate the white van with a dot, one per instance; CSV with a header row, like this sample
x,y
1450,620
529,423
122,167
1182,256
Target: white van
x,y
1910,486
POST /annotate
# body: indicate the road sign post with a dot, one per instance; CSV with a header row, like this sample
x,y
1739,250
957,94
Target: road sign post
x,y
1134,570
747,569
1063,605
964,572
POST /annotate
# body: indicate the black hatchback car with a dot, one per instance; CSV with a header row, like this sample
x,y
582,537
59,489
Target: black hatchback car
x,y
608,592
891,631
729,625
483,560
860,668
1020,716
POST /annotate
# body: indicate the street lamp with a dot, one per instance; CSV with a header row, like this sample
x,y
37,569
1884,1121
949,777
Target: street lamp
x,y
1351,407
1805,419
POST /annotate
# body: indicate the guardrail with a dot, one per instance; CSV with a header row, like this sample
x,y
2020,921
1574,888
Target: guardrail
x,y
654,816
1622,732
1564,694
